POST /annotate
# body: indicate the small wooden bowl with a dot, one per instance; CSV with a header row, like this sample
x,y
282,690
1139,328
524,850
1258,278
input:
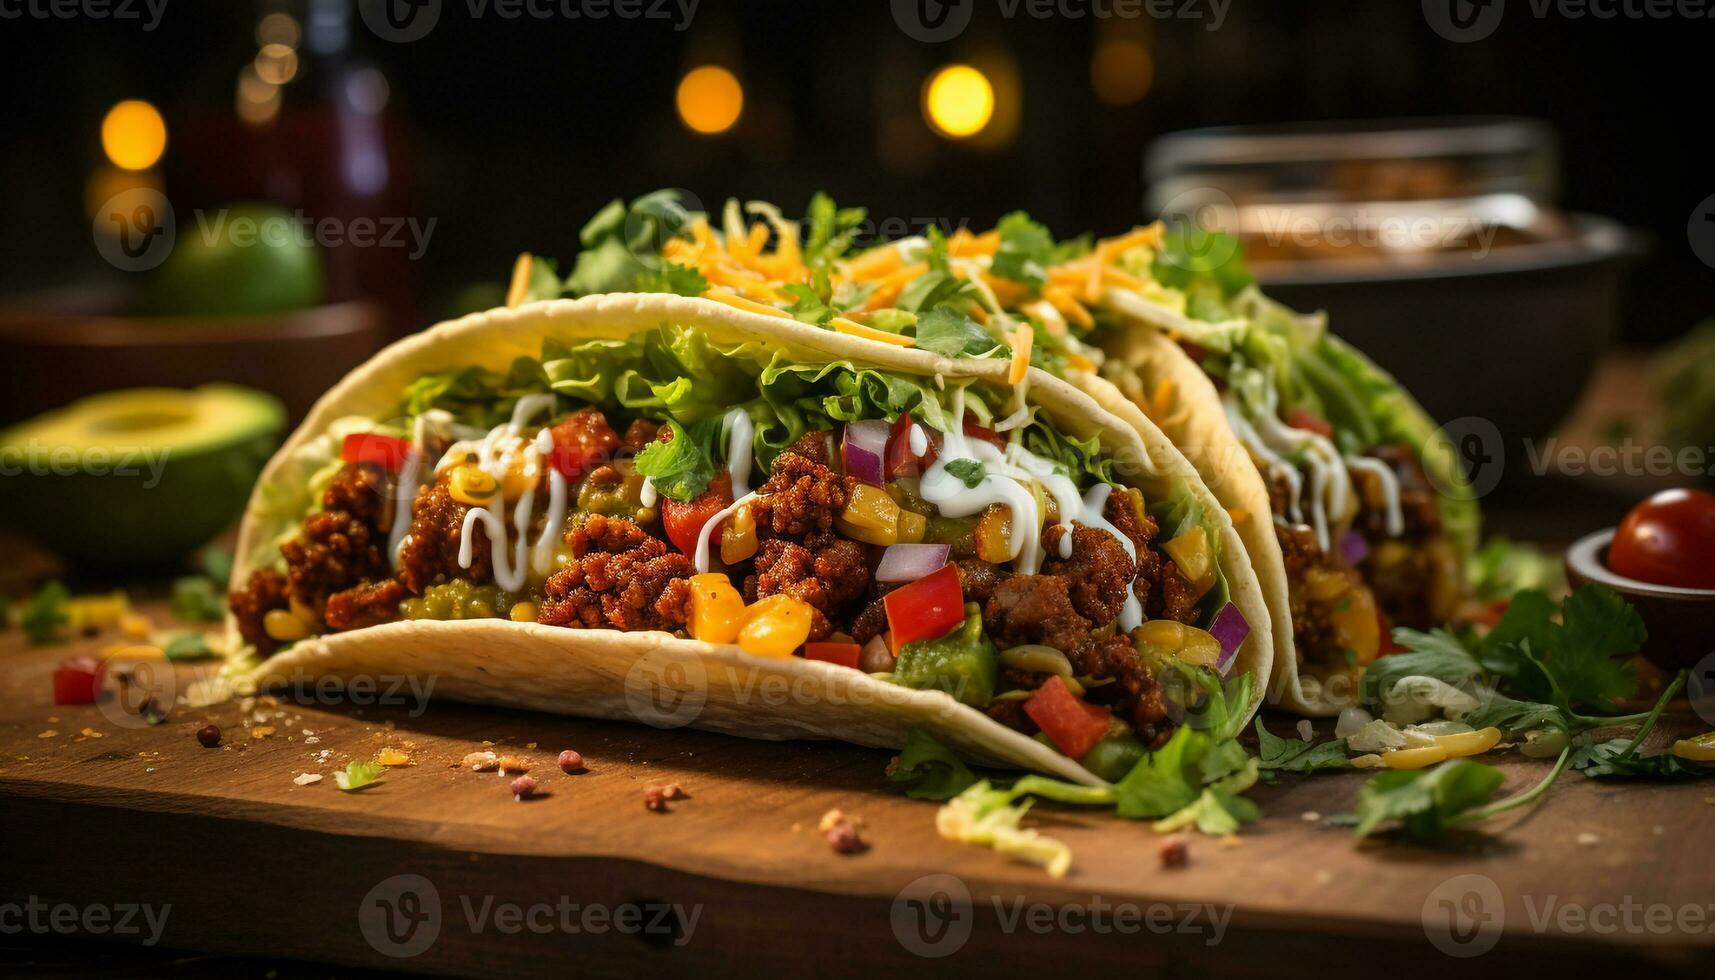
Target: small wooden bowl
x,y
62,346
1681,622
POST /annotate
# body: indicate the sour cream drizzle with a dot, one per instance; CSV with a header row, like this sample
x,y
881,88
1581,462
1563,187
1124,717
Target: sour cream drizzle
x,y
702,557
494,455
1390,490
405,492
740,450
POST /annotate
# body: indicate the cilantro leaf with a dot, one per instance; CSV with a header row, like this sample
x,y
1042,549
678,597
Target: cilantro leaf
x,y
186,645
1026,249
196,598
45,614
936,289
970,471
1425,802
814,304
950,333
831,229
681,467
672,278
621,244
1599,630
1164,781
1297,755
927,770
1610,760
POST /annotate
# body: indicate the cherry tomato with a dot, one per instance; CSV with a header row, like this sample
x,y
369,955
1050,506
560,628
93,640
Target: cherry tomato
x,y
582,442
684,520
387,452
901,461
1304,418
927,608
1668,540
844,654
1074,725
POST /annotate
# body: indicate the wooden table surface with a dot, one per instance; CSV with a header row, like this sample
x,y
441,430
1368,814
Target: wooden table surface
x,y
438,869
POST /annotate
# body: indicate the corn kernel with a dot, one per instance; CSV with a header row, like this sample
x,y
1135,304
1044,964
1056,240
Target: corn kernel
x,y
738,537
523,612
472,486
717,610
281,625
391,756
1428,755
776,626
136,625
1367,761
524,472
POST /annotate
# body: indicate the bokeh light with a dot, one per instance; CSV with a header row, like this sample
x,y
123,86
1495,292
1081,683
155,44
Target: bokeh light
x,y
133,135
1122,71
958,101
710,99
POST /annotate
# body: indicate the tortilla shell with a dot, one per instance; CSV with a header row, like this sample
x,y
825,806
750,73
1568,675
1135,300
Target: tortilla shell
x,y
1198,425
612,674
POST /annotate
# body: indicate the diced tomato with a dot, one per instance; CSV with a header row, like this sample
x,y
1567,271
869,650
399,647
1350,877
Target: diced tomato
x,y
78,681
901,461
1074,725
582,442
927,608
684,520
387,452
844,654
1304,418
984,433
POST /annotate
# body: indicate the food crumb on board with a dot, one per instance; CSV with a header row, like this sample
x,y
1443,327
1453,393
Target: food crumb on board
x,y
391,756
50,733
481,761
571,760
841,831
1658,830
512,763
1323,876
1174,852
1232,840
523,788
1306,731
1310,816
1587,839
655,797
308,778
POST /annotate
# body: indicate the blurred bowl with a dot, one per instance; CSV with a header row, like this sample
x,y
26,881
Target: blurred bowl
x,y
1681,622
64,345
1511,336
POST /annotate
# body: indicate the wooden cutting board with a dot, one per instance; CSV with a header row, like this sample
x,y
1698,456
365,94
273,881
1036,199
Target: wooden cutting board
x,y
438,869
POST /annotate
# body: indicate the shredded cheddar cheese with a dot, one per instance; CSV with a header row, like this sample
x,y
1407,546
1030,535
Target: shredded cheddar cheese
x,y
1022,340
520,285
739,302
845,326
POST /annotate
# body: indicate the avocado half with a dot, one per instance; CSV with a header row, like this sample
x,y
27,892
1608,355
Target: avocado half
x,y
137,477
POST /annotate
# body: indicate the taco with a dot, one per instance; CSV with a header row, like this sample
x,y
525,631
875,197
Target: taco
x,y
599,505
1352,508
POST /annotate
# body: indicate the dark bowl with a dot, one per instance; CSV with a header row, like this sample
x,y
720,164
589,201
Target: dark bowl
x,y
1681,622
65,345
1511,337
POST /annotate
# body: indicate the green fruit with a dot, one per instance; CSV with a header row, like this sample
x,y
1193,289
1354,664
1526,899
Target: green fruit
x,y
138,477
242,260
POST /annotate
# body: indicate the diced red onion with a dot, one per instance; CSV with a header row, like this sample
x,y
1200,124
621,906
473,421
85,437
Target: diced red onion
x,y
1231,630
1353,548
910,562
864,446
875,658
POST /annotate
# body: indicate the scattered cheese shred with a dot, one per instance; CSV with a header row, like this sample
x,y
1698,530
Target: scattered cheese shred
x,y
739,302
845,326
520,286
1022,340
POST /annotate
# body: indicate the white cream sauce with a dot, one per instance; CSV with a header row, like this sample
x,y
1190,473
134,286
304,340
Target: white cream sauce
x,y
741,440
701,559
495,455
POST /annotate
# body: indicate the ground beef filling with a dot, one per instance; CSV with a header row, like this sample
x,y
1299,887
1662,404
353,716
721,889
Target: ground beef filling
x,y
341,548
618,577
1416,576
430,552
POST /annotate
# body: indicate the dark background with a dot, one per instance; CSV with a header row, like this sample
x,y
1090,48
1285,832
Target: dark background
x,y
518,130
